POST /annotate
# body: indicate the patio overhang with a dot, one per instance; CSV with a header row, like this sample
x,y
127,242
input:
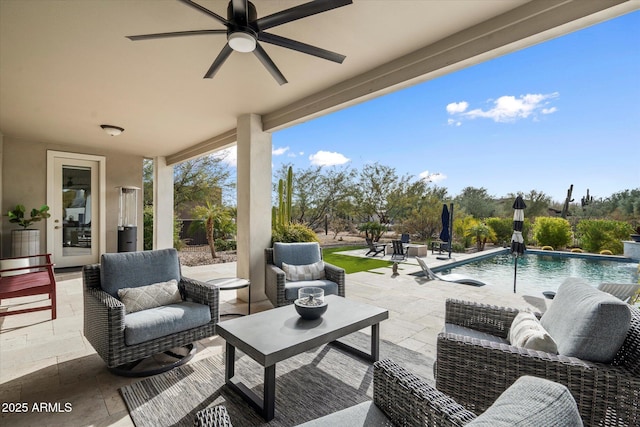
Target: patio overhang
x,y
67,67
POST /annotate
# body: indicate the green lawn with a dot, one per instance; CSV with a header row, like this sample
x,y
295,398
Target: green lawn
x,y
352,264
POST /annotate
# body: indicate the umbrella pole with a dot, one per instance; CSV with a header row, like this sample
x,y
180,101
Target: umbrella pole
x,y
515,273
450,228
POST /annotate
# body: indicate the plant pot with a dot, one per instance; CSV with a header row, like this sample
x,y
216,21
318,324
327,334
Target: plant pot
x,y
25,242
635,237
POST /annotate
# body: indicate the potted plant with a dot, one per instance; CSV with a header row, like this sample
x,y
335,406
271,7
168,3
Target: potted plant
x,y
26,241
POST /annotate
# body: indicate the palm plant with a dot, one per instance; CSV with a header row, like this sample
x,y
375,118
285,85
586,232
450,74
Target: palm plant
x,y
480,233
215,217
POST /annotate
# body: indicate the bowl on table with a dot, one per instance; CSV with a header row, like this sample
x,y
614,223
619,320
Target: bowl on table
x,y
310,304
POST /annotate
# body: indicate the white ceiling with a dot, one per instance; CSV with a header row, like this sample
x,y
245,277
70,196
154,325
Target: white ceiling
x,y
66,66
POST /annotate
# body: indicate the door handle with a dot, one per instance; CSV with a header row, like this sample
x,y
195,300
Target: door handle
x,y
56,227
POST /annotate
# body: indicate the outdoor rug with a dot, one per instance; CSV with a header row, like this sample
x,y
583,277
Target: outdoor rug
x,y
308,386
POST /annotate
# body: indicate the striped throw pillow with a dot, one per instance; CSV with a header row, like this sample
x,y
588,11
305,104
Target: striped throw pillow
x,y
295,273
526,331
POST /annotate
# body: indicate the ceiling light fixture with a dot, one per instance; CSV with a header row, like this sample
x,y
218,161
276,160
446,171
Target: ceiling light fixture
x,y
242,42
112,130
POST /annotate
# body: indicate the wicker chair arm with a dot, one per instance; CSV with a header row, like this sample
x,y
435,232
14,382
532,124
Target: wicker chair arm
x,y
409,400
337,275
103,320
274,285
202,293
216,416
490,319
629,354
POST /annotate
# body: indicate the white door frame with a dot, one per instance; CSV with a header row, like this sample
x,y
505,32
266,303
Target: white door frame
x,y
100,196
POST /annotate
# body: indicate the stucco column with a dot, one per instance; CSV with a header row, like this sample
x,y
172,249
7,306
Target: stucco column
x,y
162,204
254,202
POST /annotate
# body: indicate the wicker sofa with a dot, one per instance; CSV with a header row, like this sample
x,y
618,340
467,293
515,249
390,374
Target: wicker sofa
x,y
281,291
108,326
474,370
402,399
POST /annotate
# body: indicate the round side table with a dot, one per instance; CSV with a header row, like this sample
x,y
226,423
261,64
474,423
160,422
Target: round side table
x,y
232,284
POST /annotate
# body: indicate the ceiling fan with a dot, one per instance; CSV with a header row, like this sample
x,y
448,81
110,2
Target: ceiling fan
x,y
245,29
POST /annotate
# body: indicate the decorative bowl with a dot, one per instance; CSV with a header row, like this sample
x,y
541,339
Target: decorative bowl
x,y
310,304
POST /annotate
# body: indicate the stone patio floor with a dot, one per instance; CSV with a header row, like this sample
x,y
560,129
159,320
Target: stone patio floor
x,y
51,361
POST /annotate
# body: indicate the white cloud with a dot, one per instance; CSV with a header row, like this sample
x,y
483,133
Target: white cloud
x,y
229,156
434,177
457,107
327,158
508,108
279,151
452,122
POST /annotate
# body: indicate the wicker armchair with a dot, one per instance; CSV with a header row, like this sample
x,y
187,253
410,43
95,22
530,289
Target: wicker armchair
x,y
276,283
403,399
104,314
475,371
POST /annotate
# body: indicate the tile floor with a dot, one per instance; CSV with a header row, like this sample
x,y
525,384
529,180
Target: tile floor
x,y
50,362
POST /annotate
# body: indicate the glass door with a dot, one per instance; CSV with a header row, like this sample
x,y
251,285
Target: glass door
x,y
73,231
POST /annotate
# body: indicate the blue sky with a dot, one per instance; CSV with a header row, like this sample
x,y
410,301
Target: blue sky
x,y
563,112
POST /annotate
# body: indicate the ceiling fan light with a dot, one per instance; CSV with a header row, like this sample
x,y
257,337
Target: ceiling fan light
x,y
242,42
112,130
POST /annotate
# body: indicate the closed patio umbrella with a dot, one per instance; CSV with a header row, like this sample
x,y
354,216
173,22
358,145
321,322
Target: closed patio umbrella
x,y
517,241
445,234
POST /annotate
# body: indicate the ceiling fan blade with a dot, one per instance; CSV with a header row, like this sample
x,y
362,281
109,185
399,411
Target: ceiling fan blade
x,y
298,12
269,65
206,11
175,34
301,47
217,63
240,12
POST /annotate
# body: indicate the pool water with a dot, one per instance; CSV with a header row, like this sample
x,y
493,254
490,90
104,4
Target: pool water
x,y
539,273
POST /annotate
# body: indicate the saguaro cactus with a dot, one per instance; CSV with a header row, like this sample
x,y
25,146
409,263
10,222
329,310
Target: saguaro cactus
x,y
282,215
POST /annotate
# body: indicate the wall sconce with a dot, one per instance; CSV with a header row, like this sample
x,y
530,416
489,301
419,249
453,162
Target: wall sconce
x,y
112,130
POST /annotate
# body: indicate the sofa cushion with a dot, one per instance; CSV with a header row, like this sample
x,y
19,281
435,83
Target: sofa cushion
x,y
150,296
158,322
291,288
296,253
295,273
364,414
531,401
586,323
452,328
134,269
526,331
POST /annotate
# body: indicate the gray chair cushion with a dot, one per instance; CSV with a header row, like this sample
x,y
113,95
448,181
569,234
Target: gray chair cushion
x,y
158,322
364,414
133,269
296,253
450,328
585,322
291,288
531,401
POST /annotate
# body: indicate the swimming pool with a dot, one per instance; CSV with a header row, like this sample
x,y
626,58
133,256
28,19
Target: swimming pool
x,y
540,272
